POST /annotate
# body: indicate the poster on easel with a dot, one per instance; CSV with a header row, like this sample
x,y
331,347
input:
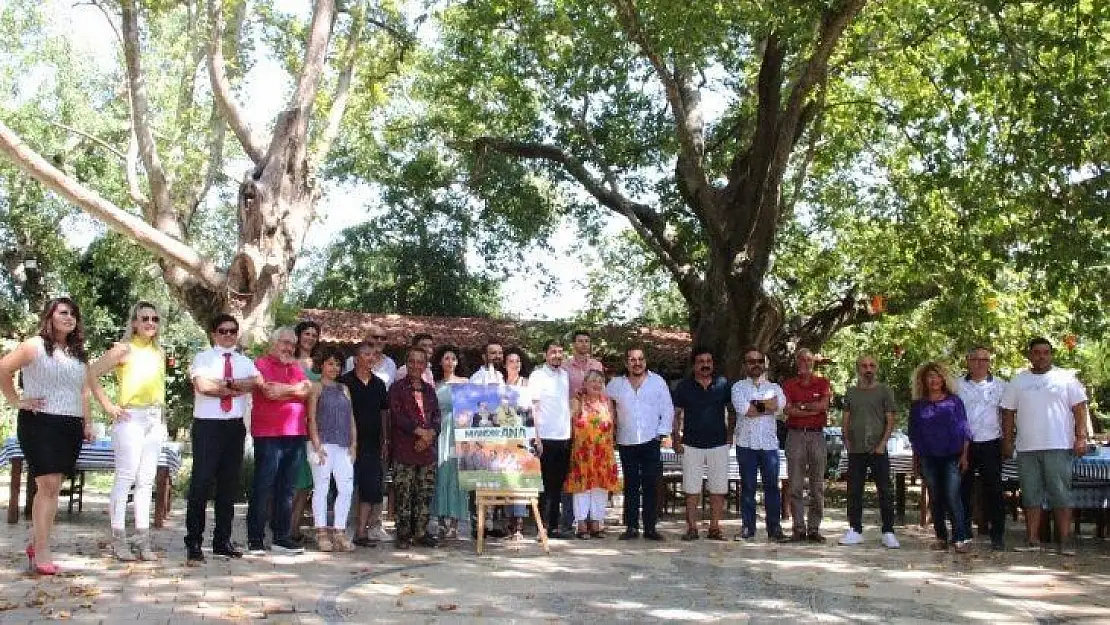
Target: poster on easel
x,y
494,438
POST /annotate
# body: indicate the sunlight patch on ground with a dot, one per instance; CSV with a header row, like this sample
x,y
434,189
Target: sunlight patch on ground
x,y
617,605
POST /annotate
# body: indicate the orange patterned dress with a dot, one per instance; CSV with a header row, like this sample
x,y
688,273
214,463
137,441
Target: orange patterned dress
x,y
592,462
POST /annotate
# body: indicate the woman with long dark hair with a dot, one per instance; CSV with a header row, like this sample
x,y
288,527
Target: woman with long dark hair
x,y
450,501
53,413
139,425
308,340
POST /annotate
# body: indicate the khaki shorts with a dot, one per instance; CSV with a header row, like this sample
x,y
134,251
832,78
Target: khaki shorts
x,y
1045,477
705,463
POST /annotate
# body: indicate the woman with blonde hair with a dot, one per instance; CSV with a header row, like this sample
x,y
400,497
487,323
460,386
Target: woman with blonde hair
x,y
53,413
593,469
139,425
940,436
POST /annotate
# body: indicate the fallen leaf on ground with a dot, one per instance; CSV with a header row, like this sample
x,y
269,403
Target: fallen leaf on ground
x,y
6,605
408,590
862,585
447,607
64,615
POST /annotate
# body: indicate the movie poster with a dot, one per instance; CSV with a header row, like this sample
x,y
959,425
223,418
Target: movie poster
x,y
494,437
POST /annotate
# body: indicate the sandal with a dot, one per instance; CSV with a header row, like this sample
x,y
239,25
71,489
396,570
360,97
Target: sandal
x,y
715,534
691,534
583,535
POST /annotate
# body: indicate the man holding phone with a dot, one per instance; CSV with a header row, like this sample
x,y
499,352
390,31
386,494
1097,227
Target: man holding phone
x,y
758,403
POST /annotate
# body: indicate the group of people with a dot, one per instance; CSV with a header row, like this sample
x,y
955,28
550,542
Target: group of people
x,y
316,418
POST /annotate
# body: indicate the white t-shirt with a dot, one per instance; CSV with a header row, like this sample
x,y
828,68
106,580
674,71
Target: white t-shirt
x,y
1043,403
209,364
550,388
644,413
386,369
981,400
487,375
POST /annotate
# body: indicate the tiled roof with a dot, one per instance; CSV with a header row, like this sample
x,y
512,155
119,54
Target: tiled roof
x,y
667,349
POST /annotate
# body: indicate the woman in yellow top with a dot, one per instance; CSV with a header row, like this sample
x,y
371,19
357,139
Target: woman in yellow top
x,y
139,424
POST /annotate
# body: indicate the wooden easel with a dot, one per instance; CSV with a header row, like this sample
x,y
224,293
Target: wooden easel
x,y
508,497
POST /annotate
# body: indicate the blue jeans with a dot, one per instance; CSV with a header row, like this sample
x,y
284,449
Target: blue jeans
x,y
942,476
766,462
276,459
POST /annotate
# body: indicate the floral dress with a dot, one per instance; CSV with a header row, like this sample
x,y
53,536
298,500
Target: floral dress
x,y
592,462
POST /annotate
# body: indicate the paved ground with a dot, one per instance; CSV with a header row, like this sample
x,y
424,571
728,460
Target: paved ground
x,y
595,581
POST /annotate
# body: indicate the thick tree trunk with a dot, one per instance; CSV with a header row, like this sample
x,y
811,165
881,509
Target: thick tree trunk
x,y
729,323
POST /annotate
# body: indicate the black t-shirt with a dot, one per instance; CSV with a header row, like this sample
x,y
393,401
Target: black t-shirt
x,y
367,401
704,416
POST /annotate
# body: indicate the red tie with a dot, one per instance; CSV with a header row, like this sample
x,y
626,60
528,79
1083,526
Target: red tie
x,y
225,402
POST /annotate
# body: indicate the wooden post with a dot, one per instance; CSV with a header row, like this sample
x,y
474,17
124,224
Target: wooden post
x,y
14,487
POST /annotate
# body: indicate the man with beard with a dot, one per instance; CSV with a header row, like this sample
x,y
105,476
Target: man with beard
x,y
644,413
868,421
701,431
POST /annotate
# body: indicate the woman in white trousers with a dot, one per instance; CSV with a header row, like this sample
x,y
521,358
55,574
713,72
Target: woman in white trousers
x,y
139,426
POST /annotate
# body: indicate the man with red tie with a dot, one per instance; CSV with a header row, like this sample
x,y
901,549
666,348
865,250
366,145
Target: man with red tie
x,y
221,378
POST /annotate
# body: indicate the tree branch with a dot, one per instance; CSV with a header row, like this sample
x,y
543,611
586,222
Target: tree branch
x,y
95,139
343,87
221,86
683,101
131,169
645,220
834,21
140,114
150,238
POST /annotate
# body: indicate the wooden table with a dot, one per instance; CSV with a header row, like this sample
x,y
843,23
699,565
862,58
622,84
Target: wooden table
x,y
94,456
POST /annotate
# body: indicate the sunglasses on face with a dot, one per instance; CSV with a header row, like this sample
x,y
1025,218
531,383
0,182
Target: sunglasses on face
x,y
150,319
227,331
378,337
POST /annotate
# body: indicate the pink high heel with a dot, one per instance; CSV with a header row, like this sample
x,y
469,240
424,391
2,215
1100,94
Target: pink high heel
x,y
42,569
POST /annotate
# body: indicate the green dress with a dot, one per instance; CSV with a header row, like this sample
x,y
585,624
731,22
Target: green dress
x,y
450,500
303,480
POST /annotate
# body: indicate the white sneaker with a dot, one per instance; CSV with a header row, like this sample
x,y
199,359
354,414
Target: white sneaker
x,y
851,537
889,541
379,534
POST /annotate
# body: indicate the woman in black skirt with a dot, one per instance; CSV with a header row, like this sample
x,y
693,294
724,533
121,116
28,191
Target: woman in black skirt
x,y
53,413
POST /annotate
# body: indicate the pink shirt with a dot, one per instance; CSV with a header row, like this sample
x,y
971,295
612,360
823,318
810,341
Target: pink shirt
x,y
577,374
278,417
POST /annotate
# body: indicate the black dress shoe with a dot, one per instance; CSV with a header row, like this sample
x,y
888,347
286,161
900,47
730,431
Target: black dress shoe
x,y
630,534
427,541
193,554
363,541
226,550
654,535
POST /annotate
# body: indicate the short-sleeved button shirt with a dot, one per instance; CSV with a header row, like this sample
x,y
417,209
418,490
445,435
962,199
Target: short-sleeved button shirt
x,y
704,412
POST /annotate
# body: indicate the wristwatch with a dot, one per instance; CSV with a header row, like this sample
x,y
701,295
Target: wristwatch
x,y
802,406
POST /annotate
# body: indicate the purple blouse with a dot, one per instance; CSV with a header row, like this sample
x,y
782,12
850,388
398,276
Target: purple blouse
x,y
938,428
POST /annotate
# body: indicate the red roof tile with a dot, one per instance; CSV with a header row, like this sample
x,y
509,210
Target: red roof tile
x,y
667,349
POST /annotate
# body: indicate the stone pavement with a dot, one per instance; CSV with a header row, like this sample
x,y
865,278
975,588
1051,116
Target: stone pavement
x,y
580,581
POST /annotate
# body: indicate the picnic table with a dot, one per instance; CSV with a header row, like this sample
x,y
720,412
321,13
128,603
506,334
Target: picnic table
x,y
96,455
1090,482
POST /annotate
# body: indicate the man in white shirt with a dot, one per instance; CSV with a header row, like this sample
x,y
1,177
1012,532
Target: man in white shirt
x,y
222,377
549,386
982,393
493,361
645,415
383,366
1048,407
758,403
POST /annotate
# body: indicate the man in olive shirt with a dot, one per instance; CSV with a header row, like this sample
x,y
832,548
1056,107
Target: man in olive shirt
x,y
868,420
